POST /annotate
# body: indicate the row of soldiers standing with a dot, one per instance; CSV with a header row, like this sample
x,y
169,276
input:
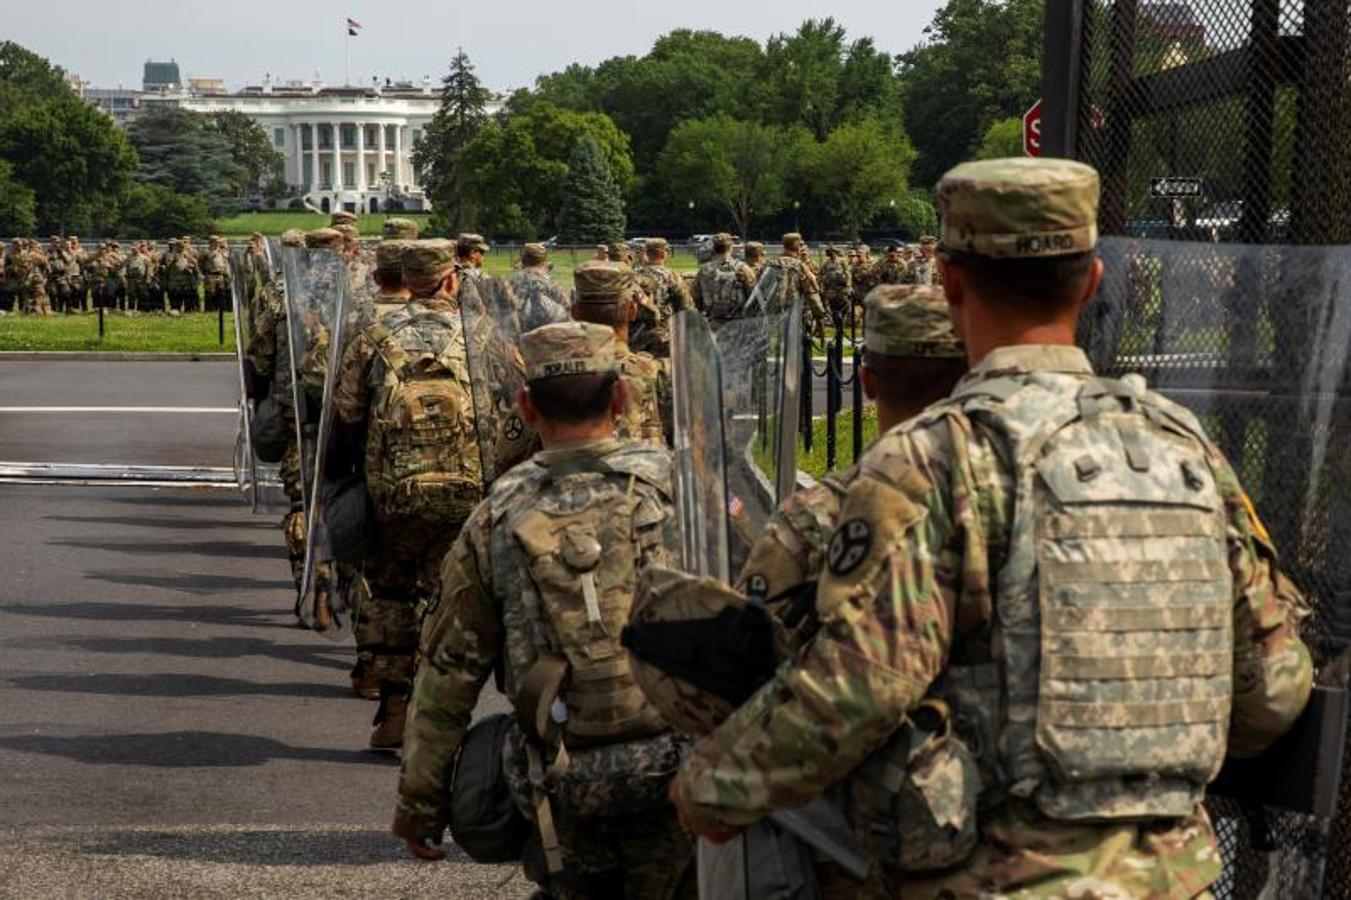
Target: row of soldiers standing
x,y
65,277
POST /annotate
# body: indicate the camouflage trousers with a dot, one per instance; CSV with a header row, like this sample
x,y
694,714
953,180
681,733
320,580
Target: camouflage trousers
x,y
216,291
183,299
646,857
36,302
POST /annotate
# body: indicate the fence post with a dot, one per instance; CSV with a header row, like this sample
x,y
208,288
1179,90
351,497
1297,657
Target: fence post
x,y
220,323
807,393
100,323
858,403
833,397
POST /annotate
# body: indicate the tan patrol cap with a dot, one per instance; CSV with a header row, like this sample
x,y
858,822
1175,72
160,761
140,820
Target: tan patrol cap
x,y
617,251
324,239
468,242
908,320
428,258
568,348
603,282
792,240
656,244
1019,208
399,230
342,217
348,232
755,248
722,241
534,254
389,256
293,237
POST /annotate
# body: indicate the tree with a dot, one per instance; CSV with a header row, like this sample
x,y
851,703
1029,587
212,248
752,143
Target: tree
x,y
1003,138
18,204
982,63
187,153
593,208
805,70
857,171
738,165
463,111
258,161
915,215
155,211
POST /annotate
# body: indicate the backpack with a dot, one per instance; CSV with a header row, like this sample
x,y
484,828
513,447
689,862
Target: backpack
x,y
725,298
422,459
483,818
1116,586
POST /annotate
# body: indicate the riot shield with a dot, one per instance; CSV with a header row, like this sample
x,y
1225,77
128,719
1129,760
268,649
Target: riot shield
x,y
260,482
496,375
316,297
701,467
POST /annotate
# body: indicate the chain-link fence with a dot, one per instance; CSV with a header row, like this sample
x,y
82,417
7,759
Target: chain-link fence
x,y
1219,128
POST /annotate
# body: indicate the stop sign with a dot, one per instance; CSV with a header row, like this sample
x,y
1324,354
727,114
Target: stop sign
x,y
1032,130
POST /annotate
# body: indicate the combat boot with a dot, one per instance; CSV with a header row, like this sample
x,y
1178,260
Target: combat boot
x,y
366,677
396,684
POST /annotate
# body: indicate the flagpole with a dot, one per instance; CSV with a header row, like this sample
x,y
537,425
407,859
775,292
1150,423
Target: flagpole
x,y
347,47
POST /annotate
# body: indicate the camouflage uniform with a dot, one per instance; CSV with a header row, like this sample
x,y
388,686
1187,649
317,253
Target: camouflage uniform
x,y
216,275
837,285
512,600
140,284
538,297
754,256
469,251
32,268
668,295
801,282
723,285
181,277
929,592
893,269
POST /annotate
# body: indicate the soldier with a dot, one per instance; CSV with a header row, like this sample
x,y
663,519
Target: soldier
x,y
405,420
181,277
139,279
216,274
989,548
538,586
469,252
837,285
399,229
78,263
664,293
723,284
618,251
32,269
801,282
924,269
893,269
609,294
538,296
393,291
342,217
754,256
602,252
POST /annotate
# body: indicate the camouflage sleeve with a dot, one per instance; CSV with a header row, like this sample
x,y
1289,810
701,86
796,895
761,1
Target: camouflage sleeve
x,y
811,296
792,547
748,277
461,640
697,293
262,349
351,393
679,293
1273,671
665,400
887,601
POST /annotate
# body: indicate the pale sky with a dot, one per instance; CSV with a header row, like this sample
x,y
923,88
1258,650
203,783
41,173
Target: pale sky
x,y
241,40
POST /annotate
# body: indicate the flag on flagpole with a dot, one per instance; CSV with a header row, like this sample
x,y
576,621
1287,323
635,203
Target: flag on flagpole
x,y
353,26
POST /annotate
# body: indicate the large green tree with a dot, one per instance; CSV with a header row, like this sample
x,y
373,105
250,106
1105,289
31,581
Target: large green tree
x,y
155,211
18,204
258,161
73,159
981,63
593,206
740,166
857,172
188,153
463,112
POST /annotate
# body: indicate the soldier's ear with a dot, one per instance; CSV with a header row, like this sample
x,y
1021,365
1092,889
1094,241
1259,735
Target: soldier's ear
x,y
529,414
631,315
869,379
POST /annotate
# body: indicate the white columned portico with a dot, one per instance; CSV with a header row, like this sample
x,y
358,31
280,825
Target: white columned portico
x,y
337,155
398,157
361,157
314,157
298,154
381,156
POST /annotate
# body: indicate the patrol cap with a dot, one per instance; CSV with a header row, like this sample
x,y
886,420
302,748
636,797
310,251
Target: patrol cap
x,y
909,320
324,239
792,240
534,255
617,250
468,242
342,217
348,232
428,258
603,282
755,248
927,240
832,250
722,241
1019,208
656,244
399,230
293,237
603,248
389,256
256,236
568,348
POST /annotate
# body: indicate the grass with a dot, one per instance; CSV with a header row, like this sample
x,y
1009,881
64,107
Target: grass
x,y
814,463
274,223
192,333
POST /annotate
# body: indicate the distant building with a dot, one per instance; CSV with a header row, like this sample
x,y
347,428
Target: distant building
x,y
161,77
1174,22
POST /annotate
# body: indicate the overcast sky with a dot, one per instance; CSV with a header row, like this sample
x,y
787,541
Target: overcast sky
x,y
510,43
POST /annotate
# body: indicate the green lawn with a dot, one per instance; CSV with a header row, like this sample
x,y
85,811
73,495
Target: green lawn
x,y
814,463
274,223
192,333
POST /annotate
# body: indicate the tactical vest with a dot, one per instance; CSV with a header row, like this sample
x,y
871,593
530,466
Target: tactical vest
x,y
1113,637
834,278
723,297
579,534
422,459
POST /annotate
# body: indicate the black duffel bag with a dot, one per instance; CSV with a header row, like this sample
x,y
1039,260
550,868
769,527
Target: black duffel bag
x,y
484,821
268,432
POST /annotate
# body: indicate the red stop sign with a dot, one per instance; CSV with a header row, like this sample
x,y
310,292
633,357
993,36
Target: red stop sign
x,y
1032,130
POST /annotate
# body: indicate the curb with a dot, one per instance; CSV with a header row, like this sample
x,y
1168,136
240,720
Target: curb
x,y
110,356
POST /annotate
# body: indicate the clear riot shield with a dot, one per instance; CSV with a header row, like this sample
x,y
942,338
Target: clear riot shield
x,y
260,482
701,466
316,295
496,374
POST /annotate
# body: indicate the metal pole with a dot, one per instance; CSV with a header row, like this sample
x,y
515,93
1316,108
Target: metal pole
x,y
832,404
220,322
807,393
1061,72
100,323
858,404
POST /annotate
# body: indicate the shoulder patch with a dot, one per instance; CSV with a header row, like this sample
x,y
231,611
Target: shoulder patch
x,y
849,546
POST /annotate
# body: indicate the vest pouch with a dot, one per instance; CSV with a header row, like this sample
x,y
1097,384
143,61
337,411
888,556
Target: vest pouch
x,y
483,818
619,779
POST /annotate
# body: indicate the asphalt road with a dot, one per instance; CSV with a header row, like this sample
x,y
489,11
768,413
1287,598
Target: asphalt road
x,y
175,413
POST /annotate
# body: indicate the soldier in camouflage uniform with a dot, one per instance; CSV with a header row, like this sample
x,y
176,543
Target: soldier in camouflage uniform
x,y
893,269
753,255
408,471
665,294
32,269
602,252
837,285
619,252
139,277
216,274
609,294
538,586
989,547
723,284
924,268
470,249
58,285
537,295
801,282
396,228
9,285
181,277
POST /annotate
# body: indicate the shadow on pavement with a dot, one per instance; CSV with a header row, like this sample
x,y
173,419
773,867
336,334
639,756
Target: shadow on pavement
x,y
232,616
170,684
184,749
226,549
262,846
215,648
165,522
193,584
196,499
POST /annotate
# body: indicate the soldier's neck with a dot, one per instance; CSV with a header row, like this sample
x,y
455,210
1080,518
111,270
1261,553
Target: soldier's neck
x,y
985,339
561,435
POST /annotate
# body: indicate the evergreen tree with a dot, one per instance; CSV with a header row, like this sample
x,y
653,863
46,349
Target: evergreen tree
x,y
463,112
593,206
